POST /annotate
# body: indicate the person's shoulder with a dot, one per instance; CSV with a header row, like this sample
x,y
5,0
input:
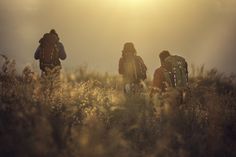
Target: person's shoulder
x,y
138,57
159,70
121,59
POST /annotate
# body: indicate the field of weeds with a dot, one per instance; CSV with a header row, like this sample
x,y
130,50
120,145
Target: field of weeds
x,y
85,114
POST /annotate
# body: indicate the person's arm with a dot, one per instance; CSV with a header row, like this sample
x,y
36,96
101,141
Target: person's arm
x,y
62,52
157,82
121,67
37,53
186,64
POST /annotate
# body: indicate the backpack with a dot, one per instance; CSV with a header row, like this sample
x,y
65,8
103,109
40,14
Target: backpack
x,y
49,54
129,70
141,68
133,68
176,71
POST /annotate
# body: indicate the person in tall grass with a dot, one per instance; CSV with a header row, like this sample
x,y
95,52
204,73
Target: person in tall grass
x,y
132,68
173,73
50,52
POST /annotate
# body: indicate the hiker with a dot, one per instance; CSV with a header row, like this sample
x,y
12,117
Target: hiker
x,y
50,52
132,68
172,73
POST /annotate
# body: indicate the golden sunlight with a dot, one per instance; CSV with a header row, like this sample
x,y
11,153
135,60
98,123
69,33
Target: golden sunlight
x,y
133,3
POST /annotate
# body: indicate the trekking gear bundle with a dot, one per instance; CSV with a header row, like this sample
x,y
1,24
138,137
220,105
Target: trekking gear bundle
x,y
49,53
176,71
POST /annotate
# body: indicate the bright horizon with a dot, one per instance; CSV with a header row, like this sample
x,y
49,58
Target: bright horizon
x,y
93,32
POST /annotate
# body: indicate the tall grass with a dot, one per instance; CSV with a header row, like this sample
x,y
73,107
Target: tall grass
x,y
86,114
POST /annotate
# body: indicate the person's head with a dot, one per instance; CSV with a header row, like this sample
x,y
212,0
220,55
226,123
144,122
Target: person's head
x,y
128,49
53,31
163,55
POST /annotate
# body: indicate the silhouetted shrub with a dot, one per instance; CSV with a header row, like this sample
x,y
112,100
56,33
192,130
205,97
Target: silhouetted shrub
x,y
86,114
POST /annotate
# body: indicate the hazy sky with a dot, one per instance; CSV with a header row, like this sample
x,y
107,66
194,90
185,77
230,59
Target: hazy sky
x,y
94,31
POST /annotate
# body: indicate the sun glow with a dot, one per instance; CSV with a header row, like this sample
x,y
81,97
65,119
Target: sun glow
x,y
133,3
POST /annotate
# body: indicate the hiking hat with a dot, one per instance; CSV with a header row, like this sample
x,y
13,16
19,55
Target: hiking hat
x,y
53,31
129,47
164,54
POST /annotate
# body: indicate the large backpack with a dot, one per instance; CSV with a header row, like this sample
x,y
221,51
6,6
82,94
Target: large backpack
x,y
133,68
176,71
140,68
49,54
129,70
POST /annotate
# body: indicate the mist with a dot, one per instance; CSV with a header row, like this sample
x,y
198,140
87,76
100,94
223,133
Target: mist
x,y
93,32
